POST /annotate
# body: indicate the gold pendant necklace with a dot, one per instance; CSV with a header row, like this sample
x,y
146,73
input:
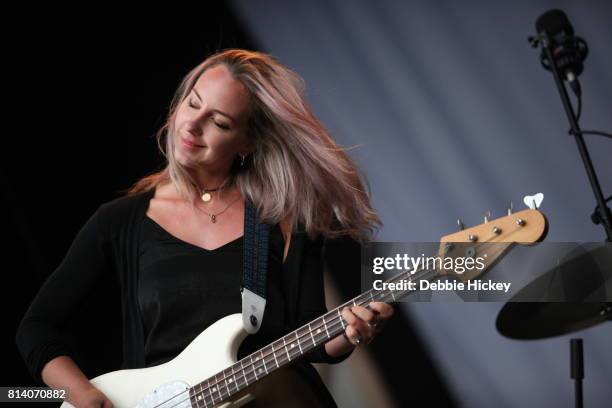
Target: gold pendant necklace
x,y
213,217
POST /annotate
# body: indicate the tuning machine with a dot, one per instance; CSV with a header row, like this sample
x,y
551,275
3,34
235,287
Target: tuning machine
x,y
534,202
460,224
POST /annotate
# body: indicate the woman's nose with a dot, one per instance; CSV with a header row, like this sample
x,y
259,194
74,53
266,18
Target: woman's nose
x,y
199,118
194,130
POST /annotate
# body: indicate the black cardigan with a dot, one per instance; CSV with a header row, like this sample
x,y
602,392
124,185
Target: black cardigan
x,y
106,249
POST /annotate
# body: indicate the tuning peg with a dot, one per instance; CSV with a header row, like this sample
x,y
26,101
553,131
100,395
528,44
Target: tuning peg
x,y
535,201
510,208
486,217
460,225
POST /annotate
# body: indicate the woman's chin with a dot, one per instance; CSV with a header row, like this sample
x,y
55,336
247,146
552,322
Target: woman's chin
x,y
187,160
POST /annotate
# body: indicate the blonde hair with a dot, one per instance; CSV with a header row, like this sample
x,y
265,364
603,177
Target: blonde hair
x,y
296,169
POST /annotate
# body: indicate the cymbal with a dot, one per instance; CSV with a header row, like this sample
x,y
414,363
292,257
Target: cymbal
x,y
577,298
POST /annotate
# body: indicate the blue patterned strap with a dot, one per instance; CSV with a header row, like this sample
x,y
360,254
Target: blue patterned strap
x,y
255,261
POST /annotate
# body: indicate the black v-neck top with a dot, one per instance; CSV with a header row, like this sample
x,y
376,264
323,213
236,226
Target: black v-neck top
x,y
183,289
125,266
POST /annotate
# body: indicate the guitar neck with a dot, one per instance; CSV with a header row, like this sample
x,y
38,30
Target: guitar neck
x,y
294,345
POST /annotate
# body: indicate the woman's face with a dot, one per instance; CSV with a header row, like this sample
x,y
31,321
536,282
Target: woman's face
x,y
210,124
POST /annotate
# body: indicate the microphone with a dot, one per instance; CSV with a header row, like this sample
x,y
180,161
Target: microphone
x,y
568,51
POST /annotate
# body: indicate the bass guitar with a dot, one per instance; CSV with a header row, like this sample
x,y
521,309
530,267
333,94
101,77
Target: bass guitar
x,y
207,374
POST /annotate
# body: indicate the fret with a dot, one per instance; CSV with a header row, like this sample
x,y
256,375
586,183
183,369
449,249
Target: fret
x,y
216,388
297,339
371,296
254,368
392,295
354,304
274,354
318,324
225,380
205,399
226,386
340,316
199,396
235,382
292,344
210,392
193,398
246,382
223,385
264,361
233,379
286,351
358,301
325,325
314,343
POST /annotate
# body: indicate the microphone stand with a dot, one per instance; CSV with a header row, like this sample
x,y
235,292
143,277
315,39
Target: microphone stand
x,y
577,369
604,211
576,349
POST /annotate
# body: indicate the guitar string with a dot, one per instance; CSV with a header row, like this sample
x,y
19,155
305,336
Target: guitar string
x,y
322,321
223,391
221,384
310,330
335,324
224,388
387,294
305,340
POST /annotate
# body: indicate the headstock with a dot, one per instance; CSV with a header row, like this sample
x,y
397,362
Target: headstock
x,y
490,240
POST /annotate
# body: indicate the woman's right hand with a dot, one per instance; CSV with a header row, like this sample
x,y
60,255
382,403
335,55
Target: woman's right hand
x,y
91,398
62,372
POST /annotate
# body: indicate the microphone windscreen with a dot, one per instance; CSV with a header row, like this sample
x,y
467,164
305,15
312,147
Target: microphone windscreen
x,y
554,22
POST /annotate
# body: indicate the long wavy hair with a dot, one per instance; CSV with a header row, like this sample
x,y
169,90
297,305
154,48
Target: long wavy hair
x,y
296,173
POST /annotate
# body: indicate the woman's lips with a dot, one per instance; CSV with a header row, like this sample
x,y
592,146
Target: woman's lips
x,y
190,145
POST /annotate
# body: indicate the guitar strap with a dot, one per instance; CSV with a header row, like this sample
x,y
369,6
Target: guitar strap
x,y
255,261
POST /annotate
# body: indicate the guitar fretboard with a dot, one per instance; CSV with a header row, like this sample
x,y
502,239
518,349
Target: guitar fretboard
x,y
223,385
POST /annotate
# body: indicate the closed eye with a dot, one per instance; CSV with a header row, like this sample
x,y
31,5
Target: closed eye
x,y
219,125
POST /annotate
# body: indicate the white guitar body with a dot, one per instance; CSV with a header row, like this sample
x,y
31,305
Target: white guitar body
x,y
166,385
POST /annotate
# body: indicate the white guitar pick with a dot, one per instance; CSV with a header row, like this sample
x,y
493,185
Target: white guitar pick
x,y
534,201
